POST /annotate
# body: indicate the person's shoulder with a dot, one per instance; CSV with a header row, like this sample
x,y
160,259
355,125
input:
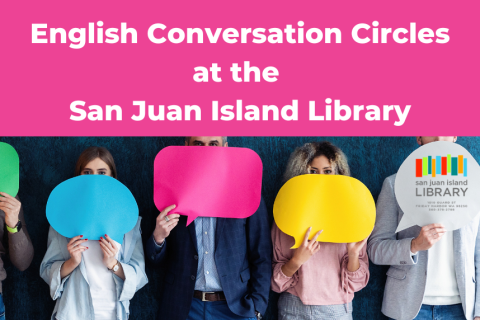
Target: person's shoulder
x,y
391,178
390,181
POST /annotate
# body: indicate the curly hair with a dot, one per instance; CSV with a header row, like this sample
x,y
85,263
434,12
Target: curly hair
x,y
303,156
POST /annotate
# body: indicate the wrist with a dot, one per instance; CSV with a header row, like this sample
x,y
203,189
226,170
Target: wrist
x,y
11,223
158,240
413,247
72,263
296,263
111,265
353,255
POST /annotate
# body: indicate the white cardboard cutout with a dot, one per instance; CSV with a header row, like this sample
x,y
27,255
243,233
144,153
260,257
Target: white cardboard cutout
x,y
436,197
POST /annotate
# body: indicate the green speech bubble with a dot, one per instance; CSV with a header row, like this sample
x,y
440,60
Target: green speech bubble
x,y
9,169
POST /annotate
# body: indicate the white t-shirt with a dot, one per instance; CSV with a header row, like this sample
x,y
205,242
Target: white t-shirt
x,y
102,285
441,287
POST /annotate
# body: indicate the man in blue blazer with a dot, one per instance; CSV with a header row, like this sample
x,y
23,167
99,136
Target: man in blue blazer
x,y
216,268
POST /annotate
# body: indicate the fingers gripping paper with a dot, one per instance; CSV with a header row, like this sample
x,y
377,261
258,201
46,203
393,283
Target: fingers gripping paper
x,y
92,206
341,206
9,169
208,181
438,183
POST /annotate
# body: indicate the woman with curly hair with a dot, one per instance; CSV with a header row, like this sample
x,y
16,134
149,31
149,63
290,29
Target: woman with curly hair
x,y
317,280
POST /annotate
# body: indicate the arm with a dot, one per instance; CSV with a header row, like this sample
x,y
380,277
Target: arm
x,y
156,253
156,244
281,256
289,267
20,246
51,265
259,248
134,277
477,275
355,273
383,246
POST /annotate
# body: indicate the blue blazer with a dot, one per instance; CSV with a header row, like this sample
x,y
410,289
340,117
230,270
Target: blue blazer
x,y
243,250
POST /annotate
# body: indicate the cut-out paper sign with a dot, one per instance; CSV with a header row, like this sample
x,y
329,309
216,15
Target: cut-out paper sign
x,y
341,206
9,169
438,183
222,182
92,206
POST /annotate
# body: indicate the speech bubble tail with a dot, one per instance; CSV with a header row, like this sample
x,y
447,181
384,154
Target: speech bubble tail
x,y
297,244
404,224
190,219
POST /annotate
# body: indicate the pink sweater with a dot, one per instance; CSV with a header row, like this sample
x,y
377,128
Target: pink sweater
x,y
324,279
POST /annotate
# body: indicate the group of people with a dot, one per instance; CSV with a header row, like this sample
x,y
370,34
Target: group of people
x,y
224,268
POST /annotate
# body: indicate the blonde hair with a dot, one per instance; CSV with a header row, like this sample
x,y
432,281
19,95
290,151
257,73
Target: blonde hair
x,y
303,156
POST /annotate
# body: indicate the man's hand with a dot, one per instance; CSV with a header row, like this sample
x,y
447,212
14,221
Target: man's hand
x,y
11,207
164,227
429,235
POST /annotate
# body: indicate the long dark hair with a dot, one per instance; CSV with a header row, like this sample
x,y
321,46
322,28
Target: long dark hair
x,y
93,153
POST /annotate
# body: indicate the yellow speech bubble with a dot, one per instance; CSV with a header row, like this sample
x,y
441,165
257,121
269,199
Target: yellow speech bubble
x,y
341,206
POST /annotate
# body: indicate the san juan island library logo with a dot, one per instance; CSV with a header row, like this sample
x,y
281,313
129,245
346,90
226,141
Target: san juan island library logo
x,y
441,166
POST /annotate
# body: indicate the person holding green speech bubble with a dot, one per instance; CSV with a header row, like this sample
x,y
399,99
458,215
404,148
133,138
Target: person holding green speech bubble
x,y
317,280
96,278
14,237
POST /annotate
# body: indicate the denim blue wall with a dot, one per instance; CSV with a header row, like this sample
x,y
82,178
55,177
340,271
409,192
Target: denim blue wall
x,y
45,162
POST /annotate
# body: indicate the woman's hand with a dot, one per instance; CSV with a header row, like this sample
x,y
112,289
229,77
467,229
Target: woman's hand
x,y
109,252
75,249
307,249
301,255
11,206
355,248
163,227
353,251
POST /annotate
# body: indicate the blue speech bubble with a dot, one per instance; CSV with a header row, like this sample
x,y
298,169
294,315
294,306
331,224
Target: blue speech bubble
x,y
92,206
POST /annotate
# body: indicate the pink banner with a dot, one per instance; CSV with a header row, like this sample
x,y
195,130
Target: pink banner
x,y
208,181
369,67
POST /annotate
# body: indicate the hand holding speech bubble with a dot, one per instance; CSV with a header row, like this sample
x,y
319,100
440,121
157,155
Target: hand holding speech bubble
x,y
92,206
438,183
9,169
341,206
222,182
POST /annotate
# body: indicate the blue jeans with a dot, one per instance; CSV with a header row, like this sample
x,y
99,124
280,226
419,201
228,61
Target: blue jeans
x,y
450,312
2,308
207,310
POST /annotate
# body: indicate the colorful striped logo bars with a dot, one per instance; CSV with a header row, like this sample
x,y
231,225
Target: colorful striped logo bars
x,y
441,166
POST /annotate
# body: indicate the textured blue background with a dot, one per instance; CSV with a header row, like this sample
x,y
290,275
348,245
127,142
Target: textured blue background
x,y
46,162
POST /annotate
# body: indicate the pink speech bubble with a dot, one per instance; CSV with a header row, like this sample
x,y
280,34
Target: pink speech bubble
x,y
208,181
